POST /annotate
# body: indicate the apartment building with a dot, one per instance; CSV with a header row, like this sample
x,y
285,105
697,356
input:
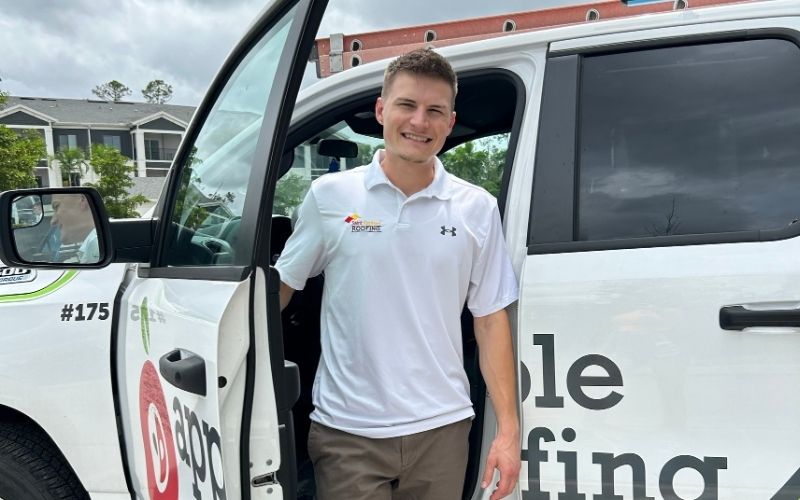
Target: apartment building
x,y
146,133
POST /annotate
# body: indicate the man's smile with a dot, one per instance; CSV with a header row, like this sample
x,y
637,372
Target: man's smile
x,y
416,138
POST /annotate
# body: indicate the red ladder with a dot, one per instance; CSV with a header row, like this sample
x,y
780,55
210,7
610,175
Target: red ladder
x,y
340,52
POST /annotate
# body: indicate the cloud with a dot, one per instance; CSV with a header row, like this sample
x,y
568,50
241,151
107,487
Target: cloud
x,y
64,49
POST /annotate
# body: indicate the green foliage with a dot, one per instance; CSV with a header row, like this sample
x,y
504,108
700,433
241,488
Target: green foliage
x,y
157,92
188,212
197,209
20,152
480,162
19,155
71,161
112,91
115,181
365,153
289,193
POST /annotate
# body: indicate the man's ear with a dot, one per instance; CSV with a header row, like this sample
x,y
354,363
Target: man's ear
x,y
452,120
379,110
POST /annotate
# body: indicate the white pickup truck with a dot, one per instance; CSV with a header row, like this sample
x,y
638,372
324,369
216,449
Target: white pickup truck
x,y
650,194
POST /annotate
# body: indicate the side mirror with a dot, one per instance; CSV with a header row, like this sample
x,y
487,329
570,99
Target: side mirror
x,y
54,228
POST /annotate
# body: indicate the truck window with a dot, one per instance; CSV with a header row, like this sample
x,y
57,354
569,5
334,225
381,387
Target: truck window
x,y
215,175
308,164
480,161
689,140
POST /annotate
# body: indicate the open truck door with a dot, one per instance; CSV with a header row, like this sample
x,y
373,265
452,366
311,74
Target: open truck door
x,y
203,395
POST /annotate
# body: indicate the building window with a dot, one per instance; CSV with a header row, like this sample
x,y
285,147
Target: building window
x,y
67,141
689,140
152,149
114,141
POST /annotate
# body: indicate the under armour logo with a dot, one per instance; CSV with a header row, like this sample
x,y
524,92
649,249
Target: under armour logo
x,y
452,231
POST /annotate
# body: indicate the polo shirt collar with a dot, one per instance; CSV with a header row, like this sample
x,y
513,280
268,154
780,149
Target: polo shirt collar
x,y
441,187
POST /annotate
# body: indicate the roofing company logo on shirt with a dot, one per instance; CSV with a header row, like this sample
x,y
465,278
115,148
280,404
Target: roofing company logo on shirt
x,y
359,225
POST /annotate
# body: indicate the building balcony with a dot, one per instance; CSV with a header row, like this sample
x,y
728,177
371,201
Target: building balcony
x,y
160,154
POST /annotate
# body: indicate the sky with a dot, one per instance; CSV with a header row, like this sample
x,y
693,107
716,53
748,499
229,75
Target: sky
x,y
63,49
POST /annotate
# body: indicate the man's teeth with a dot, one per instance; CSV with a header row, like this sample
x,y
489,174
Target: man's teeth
x,y
417,138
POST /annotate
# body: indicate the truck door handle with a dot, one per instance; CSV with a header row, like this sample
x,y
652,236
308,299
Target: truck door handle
x,y
184,370
739,318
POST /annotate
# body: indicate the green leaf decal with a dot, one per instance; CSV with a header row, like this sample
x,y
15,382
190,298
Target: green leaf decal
x,y
145,322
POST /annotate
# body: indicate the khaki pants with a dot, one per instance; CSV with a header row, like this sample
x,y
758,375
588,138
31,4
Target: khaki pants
x,y
429,465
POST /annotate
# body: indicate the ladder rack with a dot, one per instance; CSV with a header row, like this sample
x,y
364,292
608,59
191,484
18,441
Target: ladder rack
x,y
340,52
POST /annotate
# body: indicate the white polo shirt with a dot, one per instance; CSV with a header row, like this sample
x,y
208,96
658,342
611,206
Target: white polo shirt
x,y
398,271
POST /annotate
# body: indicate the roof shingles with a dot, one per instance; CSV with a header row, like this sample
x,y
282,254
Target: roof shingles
x,y
94,112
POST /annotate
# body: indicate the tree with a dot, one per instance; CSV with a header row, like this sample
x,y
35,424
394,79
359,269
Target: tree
x,y
20,152
19,155
73,165
366,152
157,92
480,162
112,91
671,221
115,181
289,193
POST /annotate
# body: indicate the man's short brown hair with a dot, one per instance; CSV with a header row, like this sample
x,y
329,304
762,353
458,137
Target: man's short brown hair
x,y
421,62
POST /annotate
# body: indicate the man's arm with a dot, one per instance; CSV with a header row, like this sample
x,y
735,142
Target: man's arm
x,y
493,334
286,295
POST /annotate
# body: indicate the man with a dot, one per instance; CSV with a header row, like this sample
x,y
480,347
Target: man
x,y
404,245
73,217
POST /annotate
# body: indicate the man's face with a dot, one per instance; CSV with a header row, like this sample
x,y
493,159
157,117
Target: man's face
x,y
417,116
71,213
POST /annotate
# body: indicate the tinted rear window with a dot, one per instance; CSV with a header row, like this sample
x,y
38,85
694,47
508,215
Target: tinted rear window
x,y
689,140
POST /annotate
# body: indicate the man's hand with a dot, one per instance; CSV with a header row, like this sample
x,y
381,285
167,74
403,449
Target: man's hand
x,y
504,455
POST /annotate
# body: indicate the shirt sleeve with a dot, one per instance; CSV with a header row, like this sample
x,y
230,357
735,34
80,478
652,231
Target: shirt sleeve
x,y
304,254
89,252
493,285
